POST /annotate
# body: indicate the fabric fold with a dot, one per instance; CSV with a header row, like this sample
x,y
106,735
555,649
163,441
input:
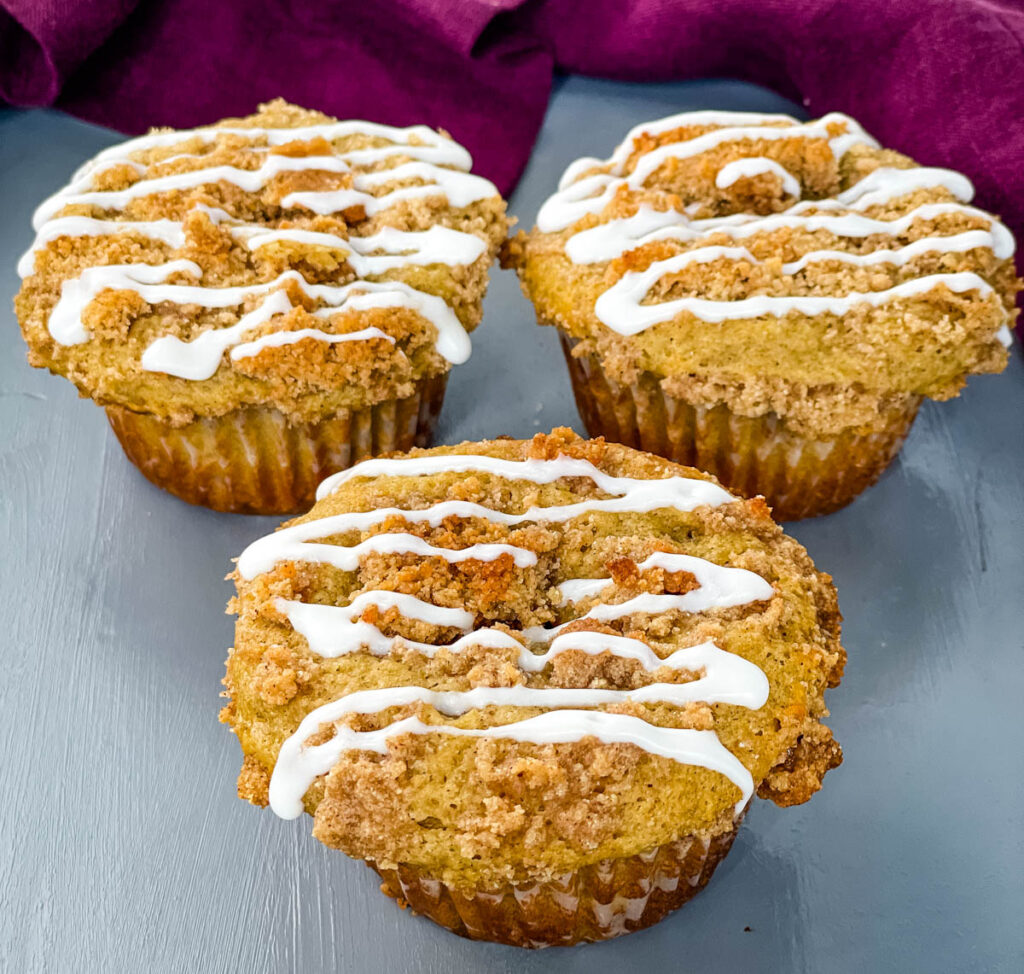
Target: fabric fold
x,y
42,43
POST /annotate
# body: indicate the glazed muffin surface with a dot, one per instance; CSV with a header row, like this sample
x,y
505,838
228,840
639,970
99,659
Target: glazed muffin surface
x,y
773,266
429,589
283,259
265,301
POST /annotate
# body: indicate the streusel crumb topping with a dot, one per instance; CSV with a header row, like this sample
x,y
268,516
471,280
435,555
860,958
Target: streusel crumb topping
x,y
773,266
358,254
396,649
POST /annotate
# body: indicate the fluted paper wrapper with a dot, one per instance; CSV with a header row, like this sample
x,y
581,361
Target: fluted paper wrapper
x,y
798,475
256,461
597,902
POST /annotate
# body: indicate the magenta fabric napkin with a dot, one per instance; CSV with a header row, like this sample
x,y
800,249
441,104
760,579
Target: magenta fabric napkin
x,y
938,79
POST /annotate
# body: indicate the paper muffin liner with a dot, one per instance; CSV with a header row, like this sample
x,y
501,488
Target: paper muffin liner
x,y
596,902
798,475
256,461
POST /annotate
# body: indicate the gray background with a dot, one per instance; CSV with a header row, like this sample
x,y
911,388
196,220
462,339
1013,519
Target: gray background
x,y
124,848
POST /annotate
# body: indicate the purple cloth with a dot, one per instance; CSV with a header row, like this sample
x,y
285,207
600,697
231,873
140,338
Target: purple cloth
x,y
938,79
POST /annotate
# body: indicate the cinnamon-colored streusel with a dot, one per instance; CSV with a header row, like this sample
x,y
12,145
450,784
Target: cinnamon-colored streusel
x,y
290,223
484,814
679,271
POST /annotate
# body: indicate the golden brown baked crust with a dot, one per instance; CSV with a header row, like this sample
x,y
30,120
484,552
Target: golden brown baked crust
x,y
479,812
822,373
606,899
306,380
798,475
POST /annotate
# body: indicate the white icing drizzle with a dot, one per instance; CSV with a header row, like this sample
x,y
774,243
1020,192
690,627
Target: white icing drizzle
x,y
278,339
958,243
308,617
625,149
734,679
331,634
682,493
651,161
609,240
725,119
576,197
65,323
200,358
727,678
614,238
387,250
443,154
450,154
719,586
887,183
589,195
298,765
330,131
346,558
169,232
250,180
438,245
739,169
460,188
331,631
622,308
293,543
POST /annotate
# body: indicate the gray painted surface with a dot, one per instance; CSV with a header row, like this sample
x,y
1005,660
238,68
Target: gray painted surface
x,y
124,848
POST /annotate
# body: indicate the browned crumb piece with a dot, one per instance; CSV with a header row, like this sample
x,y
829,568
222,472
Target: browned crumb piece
x,y
254,783
794,780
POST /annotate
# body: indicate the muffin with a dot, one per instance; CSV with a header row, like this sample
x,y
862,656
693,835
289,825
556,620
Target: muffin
x,y
533,684
265,301
766,299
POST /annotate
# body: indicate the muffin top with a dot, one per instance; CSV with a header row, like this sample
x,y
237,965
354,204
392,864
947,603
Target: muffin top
x,y
283,259
774,266
504,660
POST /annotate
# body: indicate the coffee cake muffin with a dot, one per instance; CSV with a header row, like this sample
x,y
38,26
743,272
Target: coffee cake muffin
x,y
265,301
766,299
533,684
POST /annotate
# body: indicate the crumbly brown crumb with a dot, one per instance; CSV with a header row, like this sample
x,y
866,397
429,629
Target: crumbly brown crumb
x,y
799,776
305,380
482,811
254,783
